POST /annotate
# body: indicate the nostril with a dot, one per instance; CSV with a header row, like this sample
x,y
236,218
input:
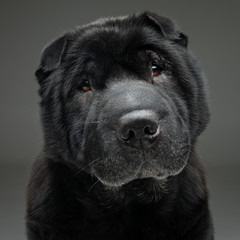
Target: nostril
x,y
148,130
130,134
153,134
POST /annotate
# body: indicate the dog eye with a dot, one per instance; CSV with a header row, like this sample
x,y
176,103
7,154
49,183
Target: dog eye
x,y
156,70
85,86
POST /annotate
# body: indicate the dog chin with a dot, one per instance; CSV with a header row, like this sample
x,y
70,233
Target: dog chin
x,y
116,182
119,181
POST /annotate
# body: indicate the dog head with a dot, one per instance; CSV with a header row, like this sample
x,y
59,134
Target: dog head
x,y
122,98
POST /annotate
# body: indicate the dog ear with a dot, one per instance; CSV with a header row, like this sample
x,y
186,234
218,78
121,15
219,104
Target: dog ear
x,y
167,28
51,58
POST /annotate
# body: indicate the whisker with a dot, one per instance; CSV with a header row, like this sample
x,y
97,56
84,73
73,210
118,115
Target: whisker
x,y
82,169
92,122
93,163
93,185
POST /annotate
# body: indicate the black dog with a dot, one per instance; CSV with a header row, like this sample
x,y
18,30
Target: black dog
x,y
123,102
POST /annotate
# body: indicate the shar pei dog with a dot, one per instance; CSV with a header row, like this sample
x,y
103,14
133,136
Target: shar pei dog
x,y
123,102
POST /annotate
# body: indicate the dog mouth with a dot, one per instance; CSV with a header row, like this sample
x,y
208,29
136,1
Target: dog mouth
x,y
123,164
142,169
145,171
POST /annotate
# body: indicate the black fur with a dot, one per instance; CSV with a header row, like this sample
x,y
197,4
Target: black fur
x,y
96,180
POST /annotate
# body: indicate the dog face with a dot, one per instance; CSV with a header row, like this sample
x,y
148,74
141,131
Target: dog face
x,y
122,98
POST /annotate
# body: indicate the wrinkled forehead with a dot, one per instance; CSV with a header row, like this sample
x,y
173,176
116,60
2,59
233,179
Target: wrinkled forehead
x,y
112,50
117,40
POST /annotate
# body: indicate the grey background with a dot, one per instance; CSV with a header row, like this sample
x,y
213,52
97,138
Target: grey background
x,y
27,26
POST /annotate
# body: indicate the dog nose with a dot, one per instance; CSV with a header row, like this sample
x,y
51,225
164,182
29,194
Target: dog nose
x,y
139,128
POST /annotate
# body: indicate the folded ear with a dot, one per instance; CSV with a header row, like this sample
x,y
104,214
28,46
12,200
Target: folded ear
x,y
167,28
51,58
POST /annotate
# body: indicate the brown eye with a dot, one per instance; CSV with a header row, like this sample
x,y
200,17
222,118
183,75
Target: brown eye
x,y
156,70
85,86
